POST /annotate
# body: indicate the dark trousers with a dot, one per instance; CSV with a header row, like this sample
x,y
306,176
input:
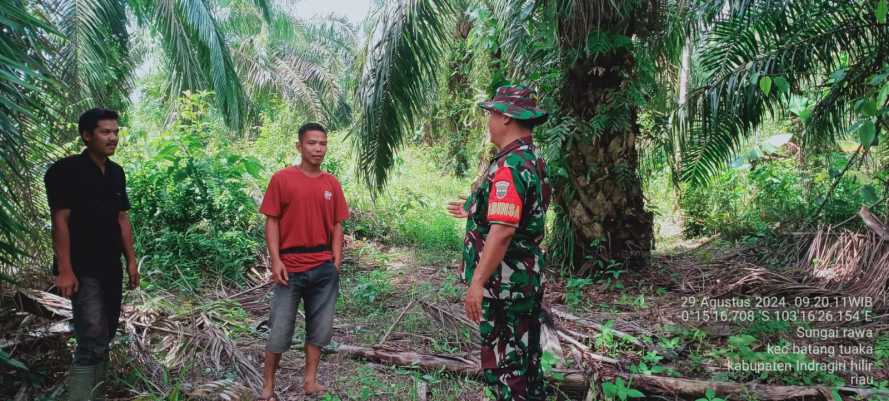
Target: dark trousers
x,y
96,307
511,349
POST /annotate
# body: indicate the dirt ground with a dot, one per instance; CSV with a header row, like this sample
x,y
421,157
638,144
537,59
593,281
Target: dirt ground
x,y
382,293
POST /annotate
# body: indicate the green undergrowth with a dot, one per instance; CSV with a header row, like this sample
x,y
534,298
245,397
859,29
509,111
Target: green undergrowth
x,y
747,203
195,193
412,209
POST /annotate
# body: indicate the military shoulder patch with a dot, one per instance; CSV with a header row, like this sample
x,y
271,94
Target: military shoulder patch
x,y
501,187
505,204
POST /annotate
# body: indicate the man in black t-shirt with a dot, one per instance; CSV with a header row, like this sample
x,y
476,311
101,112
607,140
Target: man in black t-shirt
x,y
90,231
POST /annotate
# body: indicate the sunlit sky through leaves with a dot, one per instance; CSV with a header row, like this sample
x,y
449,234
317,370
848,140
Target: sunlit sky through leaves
x,y
355,10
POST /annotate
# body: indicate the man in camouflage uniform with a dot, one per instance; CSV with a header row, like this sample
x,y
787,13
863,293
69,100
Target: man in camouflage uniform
x,y
502,258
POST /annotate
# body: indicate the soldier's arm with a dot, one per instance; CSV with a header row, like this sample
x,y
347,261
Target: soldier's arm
x,y
504,213
492,254
495,248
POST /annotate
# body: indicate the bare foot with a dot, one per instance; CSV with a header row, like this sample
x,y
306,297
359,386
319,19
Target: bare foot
x,y
267,396
314,389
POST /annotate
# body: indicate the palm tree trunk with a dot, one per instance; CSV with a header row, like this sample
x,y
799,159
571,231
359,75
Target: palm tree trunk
x,y
606,206
684,74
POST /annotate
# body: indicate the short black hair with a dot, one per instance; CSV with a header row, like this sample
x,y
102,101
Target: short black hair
x,y
89,120
310,127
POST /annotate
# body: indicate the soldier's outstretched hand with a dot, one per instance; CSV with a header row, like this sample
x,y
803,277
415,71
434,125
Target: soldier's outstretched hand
x,y
455,208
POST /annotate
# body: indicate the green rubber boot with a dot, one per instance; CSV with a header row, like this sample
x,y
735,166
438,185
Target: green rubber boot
x,y
81,380
101,380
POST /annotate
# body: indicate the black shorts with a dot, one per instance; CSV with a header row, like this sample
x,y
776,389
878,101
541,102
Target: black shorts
x,y
318,289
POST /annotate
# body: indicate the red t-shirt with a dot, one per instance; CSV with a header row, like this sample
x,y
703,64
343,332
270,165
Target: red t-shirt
x,y
308,207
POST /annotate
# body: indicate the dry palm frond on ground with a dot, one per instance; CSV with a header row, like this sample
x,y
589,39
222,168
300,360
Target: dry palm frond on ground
x,y
855,263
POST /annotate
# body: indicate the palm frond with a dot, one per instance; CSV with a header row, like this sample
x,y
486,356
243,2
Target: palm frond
x,y
671,42
295,60
686,22
199,57
335,36
397,80
28,107
92,56
299,83
255,65
334,107
512,19
331,44
265,8
801,44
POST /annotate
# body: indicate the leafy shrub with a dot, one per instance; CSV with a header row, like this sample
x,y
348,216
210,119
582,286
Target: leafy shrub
x,y
766,329
430,229
741,203
192,209
450,288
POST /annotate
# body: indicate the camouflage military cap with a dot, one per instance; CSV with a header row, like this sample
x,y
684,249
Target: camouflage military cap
x,y
516,101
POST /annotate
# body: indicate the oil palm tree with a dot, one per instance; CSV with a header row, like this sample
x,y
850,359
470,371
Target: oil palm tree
x,y
298,61
93,54
610,56
598,188
27,91
58,57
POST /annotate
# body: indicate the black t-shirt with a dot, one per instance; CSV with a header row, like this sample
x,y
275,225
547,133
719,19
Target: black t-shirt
x,y
95,200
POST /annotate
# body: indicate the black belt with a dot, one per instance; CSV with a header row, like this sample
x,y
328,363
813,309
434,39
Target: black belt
x,y
305,249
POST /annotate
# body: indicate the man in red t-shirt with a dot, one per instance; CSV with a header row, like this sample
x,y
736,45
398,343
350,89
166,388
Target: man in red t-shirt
x,y
305,209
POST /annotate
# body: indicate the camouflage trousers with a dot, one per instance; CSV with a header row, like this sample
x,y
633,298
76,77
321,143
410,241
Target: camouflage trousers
x,y
511,350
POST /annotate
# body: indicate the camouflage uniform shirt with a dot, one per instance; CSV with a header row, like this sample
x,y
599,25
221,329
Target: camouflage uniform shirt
x,y
514,192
